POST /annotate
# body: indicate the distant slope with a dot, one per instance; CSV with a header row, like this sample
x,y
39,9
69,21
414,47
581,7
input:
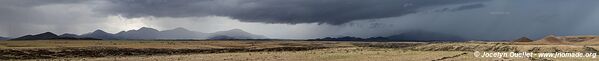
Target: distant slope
x,y
70,35
142,33
237,34
523,39
49,36
4,38
424,35
46,35
551,39
149,33
222,37
100,34
181,33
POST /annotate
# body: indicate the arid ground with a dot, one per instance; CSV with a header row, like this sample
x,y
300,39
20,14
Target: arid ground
x,y
239,50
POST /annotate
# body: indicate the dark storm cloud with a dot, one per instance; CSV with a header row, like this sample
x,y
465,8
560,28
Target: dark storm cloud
x,y
29,3
20,10
506,20
20,17
471,19
277,11
460,8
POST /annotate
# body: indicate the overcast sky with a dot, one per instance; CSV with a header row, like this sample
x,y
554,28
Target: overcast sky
x,y
300,19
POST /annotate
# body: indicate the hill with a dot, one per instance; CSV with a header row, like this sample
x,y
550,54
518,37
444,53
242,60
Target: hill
x,y
4,38
100,34
425,35
181,33
141,33
523,39
50,36
70,35
237,34
46,35
551,39
149,33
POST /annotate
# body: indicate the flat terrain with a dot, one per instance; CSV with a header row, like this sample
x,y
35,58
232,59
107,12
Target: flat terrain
x,y
222,50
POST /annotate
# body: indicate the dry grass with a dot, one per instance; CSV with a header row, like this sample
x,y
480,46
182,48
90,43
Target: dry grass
x,y
333,54
344,51
159,44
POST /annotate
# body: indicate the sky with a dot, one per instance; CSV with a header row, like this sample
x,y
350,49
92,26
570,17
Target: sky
x,y
303,19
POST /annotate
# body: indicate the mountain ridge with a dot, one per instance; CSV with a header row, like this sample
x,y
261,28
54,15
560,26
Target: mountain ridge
x,y
100,34
50,36
148,33
237,34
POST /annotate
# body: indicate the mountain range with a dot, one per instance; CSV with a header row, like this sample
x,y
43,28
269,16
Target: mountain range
x,y
424,35
148,33
235,34
51,36
405,36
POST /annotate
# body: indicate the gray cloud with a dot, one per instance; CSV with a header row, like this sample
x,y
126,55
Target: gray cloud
x,y
20,17
277,11
499,20
30,3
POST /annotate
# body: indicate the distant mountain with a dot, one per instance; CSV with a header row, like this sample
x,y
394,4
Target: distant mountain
x,y
425,35
406,36
49,36
523,39
141,33
378,39
70,35
100,34
4,38
222,37
237,34
181,33
149,33
46,35
345,38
